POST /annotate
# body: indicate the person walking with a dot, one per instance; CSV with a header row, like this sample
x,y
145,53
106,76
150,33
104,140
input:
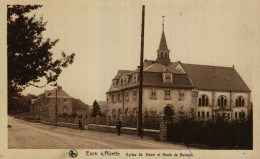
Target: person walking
x,y
118,126
80,125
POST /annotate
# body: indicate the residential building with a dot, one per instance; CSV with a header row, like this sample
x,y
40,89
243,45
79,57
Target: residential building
x,y
45,104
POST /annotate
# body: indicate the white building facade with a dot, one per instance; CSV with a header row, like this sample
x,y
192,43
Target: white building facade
x,y
205,91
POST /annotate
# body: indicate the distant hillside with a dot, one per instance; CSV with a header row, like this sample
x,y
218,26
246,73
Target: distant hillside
x,y
22,103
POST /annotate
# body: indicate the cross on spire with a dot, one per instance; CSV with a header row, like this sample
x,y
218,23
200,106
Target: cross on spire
x,y
163,22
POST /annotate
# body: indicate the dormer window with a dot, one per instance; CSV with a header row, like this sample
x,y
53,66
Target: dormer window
x,y
121,82
114,82
167,77
135,77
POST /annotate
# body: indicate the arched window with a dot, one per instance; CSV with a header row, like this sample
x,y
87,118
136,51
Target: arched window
x,y
134,112
198,114
126,112
65,108
203,100
240,102
119,112
222,101
161,54
203,114
113,112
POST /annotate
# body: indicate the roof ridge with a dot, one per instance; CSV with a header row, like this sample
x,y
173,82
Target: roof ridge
x,y
208,65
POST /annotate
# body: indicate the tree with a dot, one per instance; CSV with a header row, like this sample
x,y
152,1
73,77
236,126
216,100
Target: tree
x,y
96,110
29,56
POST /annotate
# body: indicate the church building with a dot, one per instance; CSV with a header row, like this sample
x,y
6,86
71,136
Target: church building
x,y
203,90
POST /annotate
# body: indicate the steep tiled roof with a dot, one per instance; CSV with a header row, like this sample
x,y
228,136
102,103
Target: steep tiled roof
x,y
156,67
148,62
173,64
47,92
200,76
215,78
154,79
120,72
60,94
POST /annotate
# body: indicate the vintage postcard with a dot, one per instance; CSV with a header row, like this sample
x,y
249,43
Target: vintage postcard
x,y
129,79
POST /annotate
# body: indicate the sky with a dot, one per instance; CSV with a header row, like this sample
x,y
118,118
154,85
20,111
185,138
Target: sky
x,y
106,37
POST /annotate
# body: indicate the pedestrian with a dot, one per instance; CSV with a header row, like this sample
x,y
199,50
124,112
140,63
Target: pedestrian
x,y
118,126
80,125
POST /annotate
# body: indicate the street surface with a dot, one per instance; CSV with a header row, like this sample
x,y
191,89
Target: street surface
x,y
29,135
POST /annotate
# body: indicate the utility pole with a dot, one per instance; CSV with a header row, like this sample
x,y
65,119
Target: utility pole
x,y
56,107
140,121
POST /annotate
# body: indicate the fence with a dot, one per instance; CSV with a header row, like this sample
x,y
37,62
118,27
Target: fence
x,y
149,122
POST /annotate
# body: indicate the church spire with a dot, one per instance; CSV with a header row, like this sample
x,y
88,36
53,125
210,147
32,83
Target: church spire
x,y
163,51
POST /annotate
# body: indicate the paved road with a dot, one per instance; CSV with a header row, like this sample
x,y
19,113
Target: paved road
x,y
28,135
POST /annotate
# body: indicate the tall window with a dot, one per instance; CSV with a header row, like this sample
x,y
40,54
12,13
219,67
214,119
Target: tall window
x,y
126,112
65,108
167,94
119,97
203,114
119,112
181,95
207,114
113,112
222,101
134,94
241,115
203,100
240,102
153,94
134,112
126,96
198,114
113,98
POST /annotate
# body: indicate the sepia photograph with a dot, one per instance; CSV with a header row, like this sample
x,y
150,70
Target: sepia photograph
x,y
130,79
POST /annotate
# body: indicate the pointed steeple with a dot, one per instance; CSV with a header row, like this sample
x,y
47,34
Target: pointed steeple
x,y
163,51
163,43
